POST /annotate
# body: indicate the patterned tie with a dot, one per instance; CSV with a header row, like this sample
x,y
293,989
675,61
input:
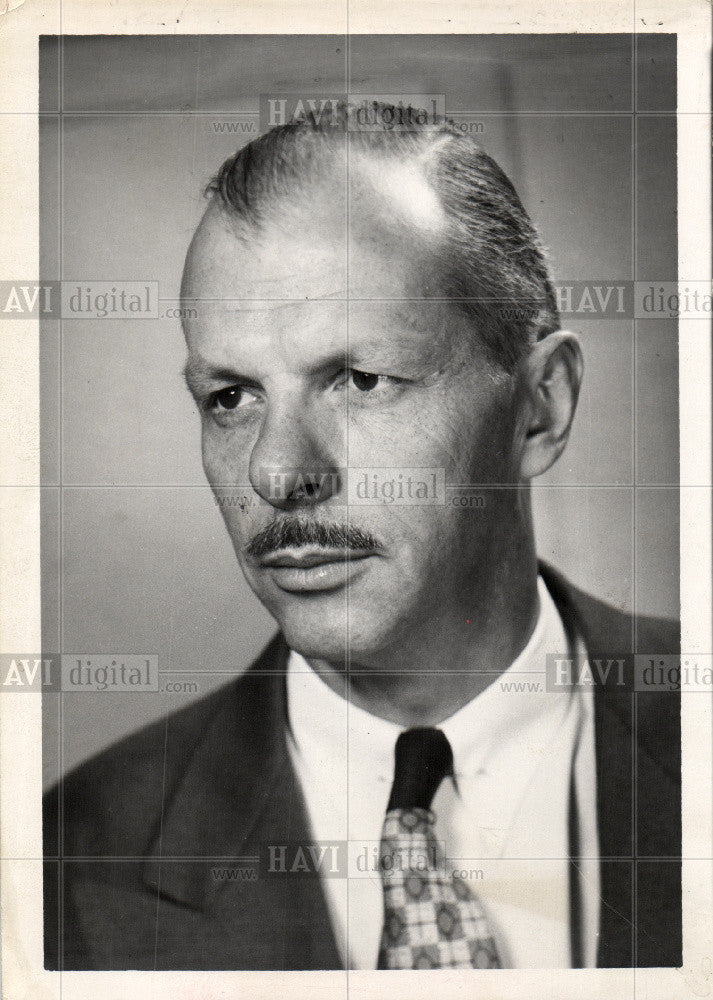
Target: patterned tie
x,y
431,919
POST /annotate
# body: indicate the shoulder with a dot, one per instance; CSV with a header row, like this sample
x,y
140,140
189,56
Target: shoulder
x,y
117,794
607,629
611,633
113,801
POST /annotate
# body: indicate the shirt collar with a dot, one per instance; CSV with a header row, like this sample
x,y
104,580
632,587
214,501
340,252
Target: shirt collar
x,y
326,726
516,703
323,724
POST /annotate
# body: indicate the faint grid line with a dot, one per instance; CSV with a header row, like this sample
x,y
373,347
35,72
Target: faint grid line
x,y
183,858
199,113
347,81
421,298
635,472
160,838
449,486
60,457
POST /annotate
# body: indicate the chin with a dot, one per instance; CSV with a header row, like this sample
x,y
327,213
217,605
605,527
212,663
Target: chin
x,y
324,634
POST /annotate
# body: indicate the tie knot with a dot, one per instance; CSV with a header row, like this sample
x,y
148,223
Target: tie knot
x,y
423,759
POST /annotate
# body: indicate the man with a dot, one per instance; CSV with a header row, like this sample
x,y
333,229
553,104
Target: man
x,y
392,792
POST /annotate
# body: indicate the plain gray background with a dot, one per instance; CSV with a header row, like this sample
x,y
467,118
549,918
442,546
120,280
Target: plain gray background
x,y
135,555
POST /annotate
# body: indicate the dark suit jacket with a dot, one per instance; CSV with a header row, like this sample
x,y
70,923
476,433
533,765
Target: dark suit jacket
x,y
132,837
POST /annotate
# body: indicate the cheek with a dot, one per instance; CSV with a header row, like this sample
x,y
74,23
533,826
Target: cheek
x,y
209,454
419,433
469,446
485,446
225,458
465,426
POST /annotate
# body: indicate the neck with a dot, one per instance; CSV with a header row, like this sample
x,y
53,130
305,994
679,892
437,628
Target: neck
x,y
425,680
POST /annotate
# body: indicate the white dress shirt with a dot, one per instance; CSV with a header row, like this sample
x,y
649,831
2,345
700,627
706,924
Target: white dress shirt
x,y
519,753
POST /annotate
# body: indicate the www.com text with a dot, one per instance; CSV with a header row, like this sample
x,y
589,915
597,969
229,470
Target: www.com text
x,y
245,501
235,127
234,874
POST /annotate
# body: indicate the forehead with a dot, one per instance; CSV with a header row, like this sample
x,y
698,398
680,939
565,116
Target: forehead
x,y
309,250
366,226
309,270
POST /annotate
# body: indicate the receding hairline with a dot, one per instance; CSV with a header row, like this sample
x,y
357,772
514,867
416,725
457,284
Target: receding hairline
x,y
490,262
395,191
393,205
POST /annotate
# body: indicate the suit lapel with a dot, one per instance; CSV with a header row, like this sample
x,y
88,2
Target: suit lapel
x,y
632,822
238,795
614,781
615,824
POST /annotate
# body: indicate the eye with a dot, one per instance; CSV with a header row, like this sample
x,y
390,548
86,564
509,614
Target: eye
x,y
230,398
370,388
364,381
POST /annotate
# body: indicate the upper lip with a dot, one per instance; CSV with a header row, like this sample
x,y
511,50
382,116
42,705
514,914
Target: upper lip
x,y
304,558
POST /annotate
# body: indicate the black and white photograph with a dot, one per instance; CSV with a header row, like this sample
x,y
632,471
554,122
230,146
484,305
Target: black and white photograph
x,y
371,396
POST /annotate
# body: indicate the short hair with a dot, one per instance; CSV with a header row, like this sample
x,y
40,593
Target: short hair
x,y
493,266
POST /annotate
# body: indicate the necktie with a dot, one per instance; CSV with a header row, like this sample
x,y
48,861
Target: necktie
x,y
431,918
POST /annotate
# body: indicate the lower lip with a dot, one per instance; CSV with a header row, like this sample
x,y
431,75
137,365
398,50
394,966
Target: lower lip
x,y
324,576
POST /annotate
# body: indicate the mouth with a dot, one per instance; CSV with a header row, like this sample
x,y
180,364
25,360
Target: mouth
x,y
310,568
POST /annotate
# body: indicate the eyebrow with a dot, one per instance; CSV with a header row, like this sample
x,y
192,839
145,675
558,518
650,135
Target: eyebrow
x,y
201,378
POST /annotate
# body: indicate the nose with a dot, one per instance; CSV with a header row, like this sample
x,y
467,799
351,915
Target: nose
x,y
292,466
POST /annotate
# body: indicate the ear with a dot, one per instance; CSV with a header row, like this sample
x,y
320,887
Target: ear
x,y
553,375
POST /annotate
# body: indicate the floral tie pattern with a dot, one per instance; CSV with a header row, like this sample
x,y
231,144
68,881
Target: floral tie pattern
x,y
431,919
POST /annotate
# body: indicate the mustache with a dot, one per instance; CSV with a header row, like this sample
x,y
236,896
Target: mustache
x,y
295,533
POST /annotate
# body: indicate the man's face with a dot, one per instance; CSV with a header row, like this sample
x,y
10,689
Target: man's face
x,y
310,361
